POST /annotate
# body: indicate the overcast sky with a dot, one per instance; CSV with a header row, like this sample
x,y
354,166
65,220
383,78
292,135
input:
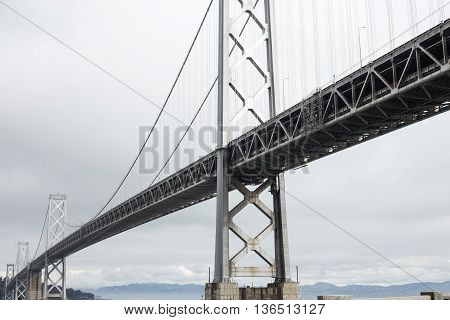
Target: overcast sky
x,y
67,127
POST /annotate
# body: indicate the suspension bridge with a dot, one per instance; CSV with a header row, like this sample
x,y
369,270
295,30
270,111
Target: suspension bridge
x,y
241,86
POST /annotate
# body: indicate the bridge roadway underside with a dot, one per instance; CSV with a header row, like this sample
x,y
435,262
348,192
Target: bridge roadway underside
x,y
408,85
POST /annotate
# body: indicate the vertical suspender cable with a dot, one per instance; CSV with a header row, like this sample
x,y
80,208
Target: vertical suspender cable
x,y
412,17
316,43
349,32
141,149
303,66
431,10
331,37
440,4
292,64
42,233
343,40
371,28
390,22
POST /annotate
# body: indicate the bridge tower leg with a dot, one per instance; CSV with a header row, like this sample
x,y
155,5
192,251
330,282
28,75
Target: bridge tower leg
x,y
9,294
55,270
22,262
223,287
20,291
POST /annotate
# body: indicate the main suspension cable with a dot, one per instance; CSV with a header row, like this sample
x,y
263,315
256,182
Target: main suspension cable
x,y
185,132
159,114
42,232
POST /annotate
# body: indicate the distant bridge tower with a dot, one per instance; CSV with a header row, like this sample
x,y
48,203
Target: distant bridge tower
x,y
258,53
9,294
55,270
22,262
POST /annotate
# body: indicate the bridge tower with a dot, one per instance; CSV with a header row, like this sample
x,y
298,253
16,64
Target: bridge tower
x,y
9,294
55,270
22,262
231,33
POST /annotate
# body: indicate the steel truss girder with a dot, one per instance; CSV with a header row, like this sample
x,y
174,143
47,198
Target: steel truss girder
x,y
389,86
197,180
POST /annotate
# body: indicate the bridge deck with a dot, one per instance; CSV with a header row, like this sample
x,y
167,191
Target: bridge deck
x,y
410,84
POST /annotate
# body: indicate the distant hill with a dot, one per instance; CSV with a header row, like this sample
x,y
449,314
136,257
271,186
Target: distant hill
x,y
150,291
78,295
161,291
365,291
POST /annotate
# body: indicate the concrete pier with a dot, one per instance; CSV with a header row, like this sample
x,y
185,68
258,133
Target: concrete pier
x,y
231,291
34,289
222,291
433,295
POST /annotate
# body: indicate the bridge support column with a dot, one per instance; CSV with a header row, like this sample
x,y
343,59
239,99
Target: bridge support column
x,y
9,292
222,288
278,268
55,269
230,32
22,268
55,280
282,261
283,288
20,291
34,282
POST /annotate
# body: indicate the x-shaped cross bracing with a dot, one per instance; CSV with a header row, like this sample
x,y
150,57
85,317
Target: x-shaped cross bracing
x,y
55,274
248,8
252,244
56,221
21,289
